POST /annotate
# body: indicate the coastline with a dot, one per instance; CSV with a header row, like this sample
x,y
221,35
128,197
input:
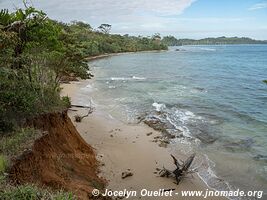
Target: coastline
x,y
120,147
91,58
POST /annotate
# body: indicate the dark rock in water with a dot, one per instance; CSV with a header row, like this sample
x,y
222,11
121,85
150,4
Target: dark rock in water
x,y
205,137
260,157
164,126
211,118
158,124
179,49
200,89
240,145
206,134
172,136
163,144
247,143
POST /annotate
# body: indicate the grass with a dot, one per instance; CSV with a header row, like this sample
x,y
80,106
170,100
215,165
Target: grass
x,y
32,192
12,143
3,164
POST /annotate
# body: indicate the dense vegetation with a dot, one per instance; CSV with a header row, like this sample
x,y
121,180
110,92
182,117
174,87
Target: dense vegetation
x,y
172,41
36,53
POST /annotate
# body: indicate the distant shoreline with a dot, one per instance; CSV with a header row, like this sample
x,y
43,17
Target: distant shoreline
x,y
172,41
91,58
216,44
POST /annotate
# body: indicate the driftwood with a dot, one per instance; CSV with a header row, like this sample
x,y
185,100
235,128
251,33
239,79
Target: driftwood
x,y
78,118
182,169
80,106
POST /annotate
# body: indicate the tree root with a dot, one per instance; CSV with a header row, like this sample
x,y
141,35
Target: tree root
x,y
182,169
78,118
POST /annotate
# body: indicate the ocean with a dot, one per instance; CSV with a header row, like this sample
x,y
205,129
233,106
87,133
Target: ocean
x,y
211,98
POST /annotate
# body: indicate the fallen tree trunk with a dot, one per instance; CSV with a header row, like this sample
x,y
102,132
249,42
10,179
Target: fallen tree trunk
x,y
79,118
182,169
80,106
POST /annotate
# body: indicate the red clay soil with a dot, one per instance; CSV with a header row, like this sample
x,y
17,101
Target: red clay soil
x,y
60,159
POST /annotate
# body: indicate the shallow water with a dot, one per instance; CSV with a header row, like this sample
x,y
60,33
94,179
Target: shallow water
x,y
212,95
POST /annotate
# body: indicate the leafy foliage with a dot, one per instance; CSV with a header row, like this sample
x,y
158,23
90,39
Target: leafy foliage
x,y
66,101
105,28
14,142
37,52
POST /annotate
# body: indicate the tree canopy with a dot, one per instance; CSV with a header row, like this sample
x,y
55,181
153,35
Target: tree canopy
x,y
105,28
36,53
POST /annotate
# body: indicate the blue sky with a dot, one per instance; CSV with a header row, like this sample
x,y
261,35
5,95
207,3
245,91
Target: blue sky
x,y
181,18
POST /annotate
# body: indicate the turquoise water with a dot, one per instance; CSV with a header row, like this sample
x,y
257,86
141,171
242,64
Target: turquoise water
x,y
211,96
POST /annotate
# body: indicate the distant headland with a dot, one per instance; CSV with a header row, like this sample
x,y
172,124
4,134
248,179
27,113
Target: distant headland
x,y
172,41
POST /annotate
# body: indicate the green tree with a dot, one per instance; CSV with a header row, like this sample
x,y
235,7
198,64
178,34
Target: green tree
x,y
105,28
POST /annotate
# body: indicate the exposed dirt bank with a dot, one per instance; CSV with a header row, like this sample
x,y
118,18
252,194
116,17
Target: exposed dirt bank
x,y
59,159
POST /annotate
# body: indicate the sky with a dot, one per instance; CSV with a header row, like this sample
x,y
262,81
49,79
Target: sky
x,y
180,18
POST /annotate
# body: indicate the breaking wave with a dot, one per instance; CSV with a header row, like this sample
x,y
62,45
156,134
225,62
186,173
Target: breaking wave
x,y
188,128
127,78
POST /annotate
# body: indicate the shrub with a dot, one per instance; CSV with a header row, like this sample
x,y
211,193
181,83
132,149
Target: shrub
x,y
12,143
66,101
21,98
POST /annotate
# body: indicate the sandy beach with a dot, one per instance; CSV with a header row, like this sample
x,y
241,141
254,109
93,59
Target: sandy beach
x,y
120,147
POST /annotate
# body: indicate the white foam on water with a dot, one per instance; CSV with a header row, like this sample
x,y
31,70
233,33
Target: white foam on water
x,y
183,129
179,115
207,49
197,49
89,88
119,78
206,172
138,78
127,78
158,106
110,116
184,116
209,177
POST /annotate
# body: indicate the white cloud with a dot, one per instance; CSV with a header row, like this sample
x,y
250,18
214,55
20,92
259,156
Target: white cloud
x,y
124,15
107,8
212,19
259,6
110,7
